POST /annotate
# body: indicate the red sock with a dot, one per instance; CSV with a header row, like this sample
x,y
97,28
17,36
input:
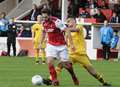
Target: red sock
x,y
52,72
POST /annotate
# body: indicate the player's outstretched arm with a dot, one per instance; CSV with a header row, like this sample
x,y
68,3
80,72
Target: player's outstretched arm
x,y
69,37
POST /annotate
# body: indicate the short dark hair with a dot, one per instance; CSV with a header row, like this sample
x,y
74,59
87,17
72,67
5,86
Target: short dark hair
x,y
46,11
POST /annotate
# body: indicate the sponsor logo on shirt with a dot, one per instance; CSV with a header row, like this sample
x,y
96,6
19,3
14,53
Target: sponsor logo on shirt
x,y
49,30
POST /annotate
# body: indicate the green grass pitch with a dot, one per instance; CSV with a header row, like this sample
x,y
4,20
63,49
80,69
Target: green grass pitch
x,y
18,71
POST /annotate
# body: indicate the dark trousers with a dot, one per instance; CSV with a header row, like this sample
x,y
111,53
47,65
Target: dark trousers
x,y
106,51
9,43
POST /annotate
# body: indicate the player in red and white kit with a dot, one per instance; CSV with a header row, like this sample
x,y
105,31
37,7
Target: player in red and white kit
x,y
56,46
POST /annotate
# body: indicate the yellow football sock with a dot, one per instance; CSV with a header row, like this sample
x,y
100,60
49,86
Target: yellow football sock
x,y
43,55
58,70
100,78
36,55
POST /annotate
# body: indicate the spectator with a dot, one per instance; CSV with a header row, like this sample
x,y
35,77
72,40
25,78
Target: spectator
x,y
20,32
70,12
3,24
93,4
117,9
24,32
99,16
112,3
106,33
93,11
11,37
104,5
84,14
44,4
115,39
34,13
114,18
54,7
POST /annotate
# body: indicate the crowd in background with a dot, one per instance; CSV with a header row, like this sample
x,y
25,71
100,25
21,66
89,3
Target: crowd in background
x,y
93,9
4,27
35,11
76,8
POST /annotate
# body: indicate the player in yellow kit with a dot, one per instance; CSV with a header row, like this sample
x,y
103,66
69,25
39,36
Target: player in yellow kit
x,y
79,55
36,35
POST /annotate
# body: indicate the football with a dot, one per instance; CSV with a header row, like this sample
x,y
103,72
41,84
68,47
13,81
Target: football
x,y
37,80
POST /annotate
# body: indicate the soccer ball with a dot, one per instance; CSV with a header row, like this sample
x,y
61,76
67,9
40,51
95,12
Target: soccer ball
x,y
37,80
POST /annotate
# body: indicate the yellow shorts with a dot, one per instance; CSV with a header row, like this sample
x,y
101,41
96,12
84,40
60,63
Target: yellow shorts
x,y
82,59
36,45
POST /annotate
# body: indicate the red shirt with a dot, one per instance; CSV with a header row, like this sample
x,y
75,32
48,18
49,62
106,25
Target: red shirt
x,y
55,35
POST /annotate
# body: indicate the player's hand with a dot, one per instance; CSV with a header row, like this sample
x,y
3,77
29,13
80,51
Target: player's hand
x,y
40,46
73,48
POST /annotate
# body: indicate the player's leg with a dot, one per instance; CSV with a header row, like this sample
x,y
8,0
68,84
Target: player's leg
x,y
68,66
43,55
37,56
52,71
65,63
60,66
97,75
14,48
58,69
36,47
50,54
84,60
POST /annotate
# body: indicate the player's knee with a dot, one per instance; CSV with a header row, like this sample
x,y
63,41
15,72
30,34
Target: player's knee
x,y
50,60
67,64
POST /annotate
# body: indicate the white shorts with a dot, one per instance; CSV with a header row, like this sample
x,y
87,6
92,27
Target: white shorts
x,y
59,52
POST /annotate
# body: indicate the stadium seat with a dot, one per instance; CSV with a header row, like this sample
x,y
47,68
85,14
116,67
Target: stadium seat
x,y
107,13
100,2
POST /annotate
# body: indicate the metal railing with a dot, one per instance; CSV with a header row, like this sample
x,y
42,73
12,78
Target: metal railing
x,y
21,8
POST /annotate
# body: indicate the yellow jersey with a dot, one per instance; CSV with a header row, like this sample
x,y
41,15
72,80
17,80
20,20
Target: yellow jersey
x,y
78,41
37,30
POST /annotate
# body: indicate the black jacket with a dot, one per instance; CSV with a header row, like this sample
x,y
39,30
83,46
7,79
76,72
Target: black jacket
x,y
12,32
37,12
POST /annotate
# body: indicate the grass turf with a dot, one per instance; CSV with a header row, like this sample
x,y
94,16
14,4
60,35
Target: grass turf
x,y
18,71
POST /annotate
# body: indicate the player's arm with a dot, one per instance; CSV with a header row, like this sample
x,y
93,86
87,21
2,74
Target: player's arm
x,y
76,28
33,33
69,37
111,32
63,27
